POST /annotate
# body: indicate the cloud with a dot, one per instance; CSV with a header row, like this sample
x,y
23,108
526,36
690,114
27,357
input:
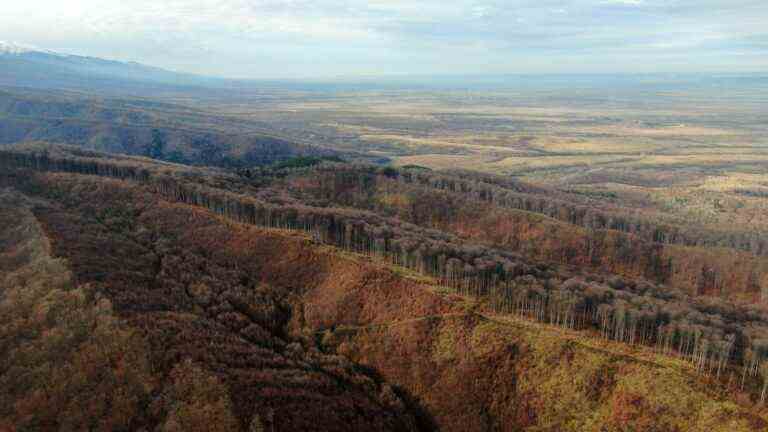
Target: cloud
x,y
625,2
327,37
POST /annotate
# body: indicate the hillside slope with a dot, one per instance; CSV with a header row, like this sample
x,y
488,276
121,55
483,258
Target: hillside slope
x,y
142,127
287,334
199,322
552,226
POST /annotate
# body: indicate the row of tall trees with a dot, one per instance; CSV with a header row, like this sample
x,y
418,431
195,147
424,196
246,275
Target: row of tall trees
x,y
42,161
576,210
529,233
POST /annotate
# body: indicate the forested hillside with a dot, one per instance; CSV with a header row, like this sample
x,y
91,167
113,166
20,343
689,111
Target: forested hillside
x,y
142,127
551,225
148,236
214,324
174,329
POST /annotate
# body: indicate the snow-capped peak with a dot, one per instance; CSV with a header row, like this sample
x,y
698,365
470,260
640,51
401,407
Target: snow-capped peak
x,y
14,48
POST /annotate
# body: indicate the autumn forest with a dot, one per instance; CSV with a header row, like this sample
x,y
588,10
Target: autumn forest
x,y
255,299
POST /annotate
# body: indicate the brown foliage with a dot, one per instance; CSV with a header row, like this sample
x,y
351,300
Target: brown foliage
x,y
234,301
196,402
67,363
172,273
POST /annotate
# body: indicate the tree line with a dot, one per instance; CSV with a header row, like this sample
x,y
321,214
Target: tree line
x,y
695,269
573,209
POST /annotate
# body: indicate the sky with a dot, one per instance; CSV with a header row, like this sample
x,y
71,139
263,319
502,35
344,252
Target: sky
x,y
349,38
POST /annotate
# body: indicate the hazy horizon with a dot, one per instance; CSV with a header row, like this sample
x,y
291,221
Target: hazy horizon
x,y
299,39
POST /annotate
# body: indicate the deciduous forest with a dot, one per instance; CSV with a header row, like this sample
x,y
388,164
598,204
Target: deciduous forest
x,y
247,299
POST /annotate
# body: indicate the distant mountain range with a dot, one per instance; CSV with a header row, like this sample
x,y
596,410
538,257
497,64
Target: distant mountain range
x,y
28,66
13,48
31,67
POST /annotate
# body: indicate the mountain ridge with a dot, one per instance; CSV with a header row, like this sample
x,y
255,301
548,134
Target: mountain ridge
x,y
15,48
23,65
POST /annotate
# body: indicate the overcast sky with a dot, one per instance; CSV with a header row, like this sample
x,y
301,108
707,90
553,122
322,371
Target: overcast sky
x,y
322,38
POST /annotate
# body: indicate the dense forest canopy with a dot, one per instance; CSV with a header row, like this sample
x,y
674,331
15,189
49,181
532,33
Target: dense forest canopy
x,y
712,333
157,220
